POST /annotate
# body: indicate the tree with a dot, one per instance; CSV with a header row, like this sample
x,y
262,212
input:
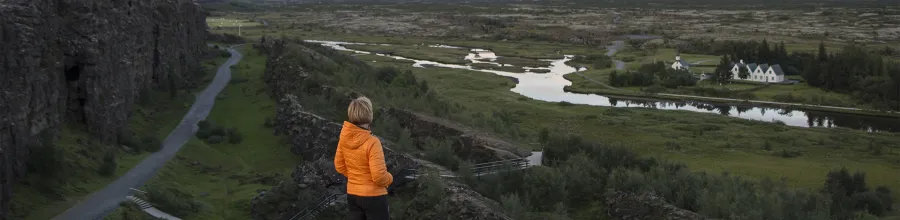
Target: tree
x,y
723,70
545,187
513,206
823,54
743,73
782,53
614,79
108,168
764,54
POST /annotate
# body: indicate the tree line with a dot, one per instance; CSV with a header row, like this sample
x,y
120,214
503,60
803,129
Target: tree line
x,y
854,70
569,187
857,71
653,74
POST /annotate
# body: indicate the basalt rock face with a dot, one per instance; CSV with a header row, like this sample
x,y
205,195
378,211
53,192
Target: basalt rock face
x,y
645,206
85,61
473,145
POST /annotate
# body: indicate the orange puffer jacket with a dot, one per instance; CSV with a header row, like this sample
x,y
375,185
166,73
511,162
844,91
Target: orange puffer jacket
x,y
360,158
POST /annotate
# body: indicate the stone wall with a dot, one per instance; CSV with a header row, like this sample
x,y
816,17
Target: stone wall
x,y
85,61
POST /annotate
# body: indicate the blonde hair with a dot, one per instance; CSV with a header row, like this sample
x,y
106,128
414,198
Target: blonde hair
x,y
360,111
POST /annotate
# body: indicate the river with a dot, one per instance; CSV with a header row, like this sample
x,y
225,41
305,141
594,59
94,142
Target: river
x,y
549,87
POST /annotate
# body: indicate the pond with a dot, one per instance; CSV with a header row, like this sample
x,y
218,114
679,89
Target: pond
x,y
549,87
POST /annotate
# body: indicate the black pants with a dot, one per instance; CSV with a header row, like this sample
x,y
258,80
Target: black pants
x,y
367,208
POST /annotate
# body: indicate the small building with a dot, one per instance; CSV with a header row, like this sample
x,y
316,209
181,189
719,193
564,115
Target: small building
x,y
680,64
758,73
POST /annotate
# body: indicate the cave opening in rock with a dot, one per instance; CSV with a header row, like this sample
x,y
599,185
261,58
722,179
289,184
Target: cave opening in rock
x,y
73,73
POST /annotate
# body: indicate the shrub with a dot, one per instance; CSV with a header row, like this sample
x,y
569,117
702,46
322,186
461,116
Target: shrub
x,y
654,89
126,138
108,168
204,129
767,146
441,152
564,103
218,131
151,143
789,153
234,136
45,159
215,139
204,124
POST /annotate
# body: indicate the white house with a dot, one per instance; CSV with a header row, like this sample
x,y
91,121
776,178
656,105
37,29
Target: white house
x,y
680,64
759,73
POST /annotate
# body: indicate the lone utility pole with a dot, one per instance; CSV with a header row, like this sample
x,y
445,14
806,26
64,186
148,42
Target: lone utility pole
x,y
239,29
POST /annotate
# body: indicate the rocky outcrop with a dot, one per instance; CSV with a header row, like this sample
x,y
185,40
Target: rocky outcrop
x,y
310,136
86,61
308,184
473,145
462,202
315,138
644,206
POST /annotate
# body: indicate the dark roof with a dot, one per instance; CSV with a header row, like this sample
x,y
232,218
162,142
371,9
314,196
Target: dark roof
x,y
764,67
685,64
752,66
777,69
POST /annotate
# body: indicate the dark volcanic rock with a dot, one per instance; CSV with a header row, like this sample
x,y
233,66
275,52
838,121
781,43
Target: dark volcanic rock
x,y
309,183
86,62
310,136
645,206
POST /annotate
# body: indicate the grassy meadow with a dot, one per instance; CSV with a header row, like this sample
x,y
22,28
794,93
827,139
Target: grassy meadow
x,y
225,176
705,142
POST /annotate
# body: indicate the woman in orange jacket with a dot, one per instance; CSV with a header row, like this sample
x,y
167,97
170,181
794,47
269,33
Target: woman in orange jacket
x,y
360,158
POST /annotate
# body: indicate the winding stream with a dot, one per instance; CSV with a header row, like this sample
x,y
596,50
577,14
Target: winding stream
x,y
549,87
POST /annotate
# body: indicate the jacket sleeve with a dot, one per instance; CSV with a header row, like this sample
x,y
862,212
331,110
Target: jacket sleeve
x,y
377,168
339,163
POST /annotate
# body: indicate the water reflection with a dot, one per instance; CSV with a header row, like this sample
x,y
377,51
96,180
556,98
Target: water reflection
x,y
549,87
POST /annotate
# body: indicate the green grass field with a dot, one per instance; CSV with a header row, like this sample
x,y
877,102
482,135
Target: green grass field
x,y
219,175
214,22
419,52
157,118
726,144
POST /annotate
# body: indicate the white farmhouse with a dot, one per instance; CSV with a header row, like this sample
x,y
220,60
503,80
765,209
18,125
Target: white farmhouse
x,y
758,73
679,64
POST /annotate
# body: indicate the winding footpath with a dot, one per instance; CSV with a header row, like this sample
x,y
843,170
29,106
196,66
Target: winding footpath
x,y
100,203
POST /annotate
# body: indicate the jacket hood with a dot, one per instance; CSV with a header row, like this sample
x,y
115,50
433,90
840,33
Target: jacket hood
x,y
353,136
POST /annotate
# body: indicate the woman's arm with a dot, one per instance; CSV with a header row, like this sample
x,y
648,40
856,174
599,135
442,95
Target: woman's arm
x,y
339,163
377,167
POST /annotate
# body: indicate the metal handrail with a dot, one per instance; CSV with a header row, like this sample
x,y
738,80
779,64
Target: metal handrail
x,y
314,210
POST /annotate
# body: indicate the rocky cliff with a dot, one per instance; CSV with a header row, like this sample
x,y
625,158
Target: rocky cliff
x,y
85,61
